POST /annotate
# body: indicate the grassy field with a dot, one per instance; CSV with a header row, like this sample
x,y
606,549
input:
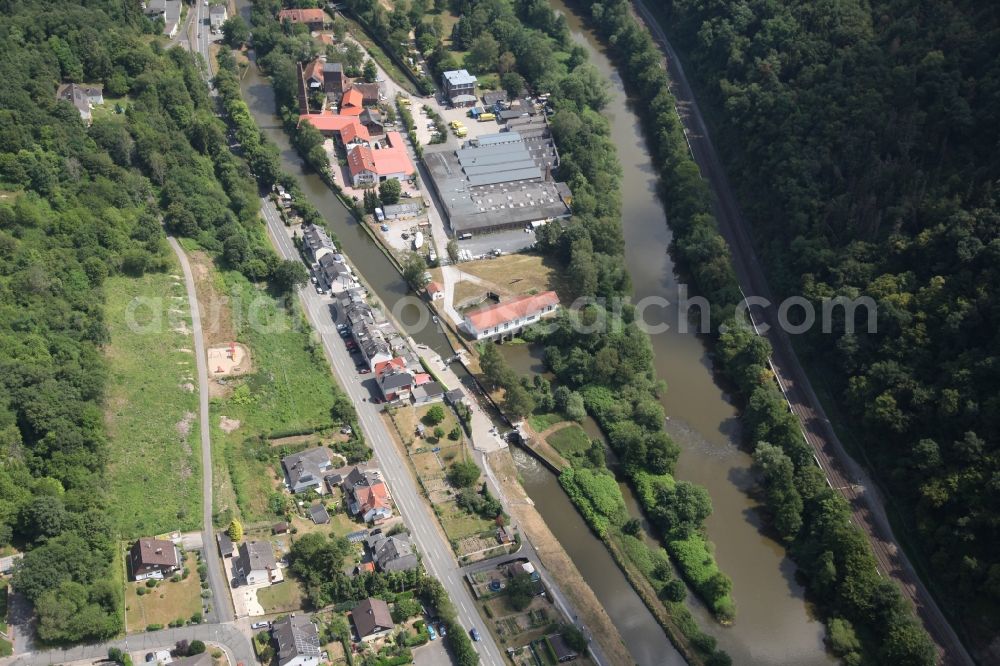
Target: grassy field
x,y
164,603
569,441
289,391
283,597
154,472
519,274
458,524
542,422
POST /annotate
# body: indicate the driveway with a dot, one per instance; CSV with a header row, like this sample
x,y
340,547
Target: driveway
x,y
431,654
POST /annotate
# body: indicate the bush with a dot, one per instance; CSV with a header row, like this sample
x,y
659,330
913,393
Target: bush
x,y
463,474
151,583
455,433
154,627
196,647
196,618
434,415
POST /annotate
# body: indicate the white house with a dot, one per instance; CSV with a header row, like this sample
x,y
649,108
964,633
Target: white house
x,y
255,564
509,317
217,16
154,558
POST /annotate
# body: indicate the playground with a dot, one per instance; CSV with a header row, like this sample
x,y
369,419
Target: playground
x,y
228,360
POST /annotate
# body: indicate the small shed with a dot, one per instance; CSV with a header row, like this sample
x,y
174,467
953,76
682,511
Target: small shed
x,y
279,528
318,514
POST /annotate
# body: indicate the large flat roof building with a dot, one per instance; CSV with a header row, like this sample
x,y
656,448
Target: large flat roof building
x,y
496,182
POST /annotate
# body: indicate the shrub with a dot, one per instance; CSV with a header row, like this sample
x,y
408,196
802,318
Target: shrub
x,y
154,627
150,583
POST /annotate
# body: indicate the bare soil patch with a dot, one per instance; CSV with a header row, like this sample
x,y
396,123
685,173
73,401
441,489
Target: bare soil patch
x,y
227,424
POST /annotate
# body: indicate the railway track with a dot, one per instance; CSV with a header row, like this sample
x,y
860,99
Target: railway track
x,y
842,473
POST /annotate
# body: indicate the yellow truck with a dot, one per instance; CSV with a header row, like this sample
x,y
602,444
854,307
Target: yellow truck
x,y
456,124
483,117
461,132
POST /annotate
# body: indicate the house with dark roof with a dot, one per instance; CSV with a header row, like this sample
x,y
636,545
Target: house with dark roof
x,y
255,564
372,121
370,92
318,514
316,242
334,79
154,558
403,210
297,640
372,619
305,470
392,553
84,98
560,649
226,547
427,393
455,396
491,99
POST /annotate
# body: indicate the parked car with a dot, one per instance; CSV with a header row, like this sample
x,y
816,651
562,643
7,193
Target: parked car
x,y
346,430
320,290
474,633
442,630
260,625
430,632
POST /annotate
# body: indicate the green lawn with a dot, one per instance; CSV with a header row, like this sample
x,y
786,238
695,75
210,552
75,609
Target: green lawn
x,y
154,453
282,597
166,602
289,391
541,422
458,524
569,441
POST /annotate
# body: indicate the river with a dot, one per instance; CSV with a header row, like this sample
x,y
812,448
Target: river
x,y
642,635
774,624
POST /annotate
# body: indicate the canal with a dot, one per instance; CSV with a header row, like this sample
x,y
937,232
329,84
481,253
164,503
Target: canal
x,y
642,635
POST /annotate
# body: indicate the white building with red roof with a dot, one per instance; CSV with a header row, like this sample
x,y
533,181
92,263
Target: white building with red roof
x,y
510,317
370,165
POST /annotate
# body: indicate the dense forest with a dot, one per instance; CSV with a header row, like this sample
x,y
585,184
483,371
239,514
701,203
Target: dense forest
x,y
80,204
862,137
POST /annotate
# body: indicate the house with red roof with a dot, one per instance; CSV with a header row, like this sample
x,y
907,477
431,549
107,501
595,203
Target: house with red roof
x,y
510,317
393,379
352,103
370,165
373,502
314,18
314,74
435,291
346,129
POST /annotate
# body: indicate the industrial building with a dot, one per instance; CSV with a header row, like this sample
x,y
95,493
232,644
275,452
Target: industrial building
x,y
498,181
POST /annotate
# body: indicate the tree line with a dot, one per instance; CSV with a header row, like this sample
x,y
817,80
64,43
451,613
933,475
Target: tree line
x,y
871,617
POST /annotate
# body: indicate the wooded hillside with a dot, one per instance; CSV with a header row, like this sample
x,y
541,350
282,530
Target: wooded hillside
x,y
862,138
78,204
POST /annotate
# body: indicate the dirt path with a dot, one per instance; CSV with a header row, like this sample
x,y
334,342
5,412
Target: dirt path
x,y
537,443
557,561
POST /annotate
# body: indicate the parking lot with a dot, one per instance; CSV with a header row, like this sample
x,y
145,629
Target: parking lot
x,y
507,242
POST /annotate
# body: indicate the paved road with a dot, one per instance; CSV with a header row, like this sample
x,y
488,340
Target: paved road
x,y
842,472
436,552
226,636
221,609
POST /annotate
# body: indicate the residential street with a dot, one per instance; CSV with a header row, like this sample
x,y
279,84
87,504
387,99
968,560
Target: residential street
x,y
437,554
226,636
842,472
